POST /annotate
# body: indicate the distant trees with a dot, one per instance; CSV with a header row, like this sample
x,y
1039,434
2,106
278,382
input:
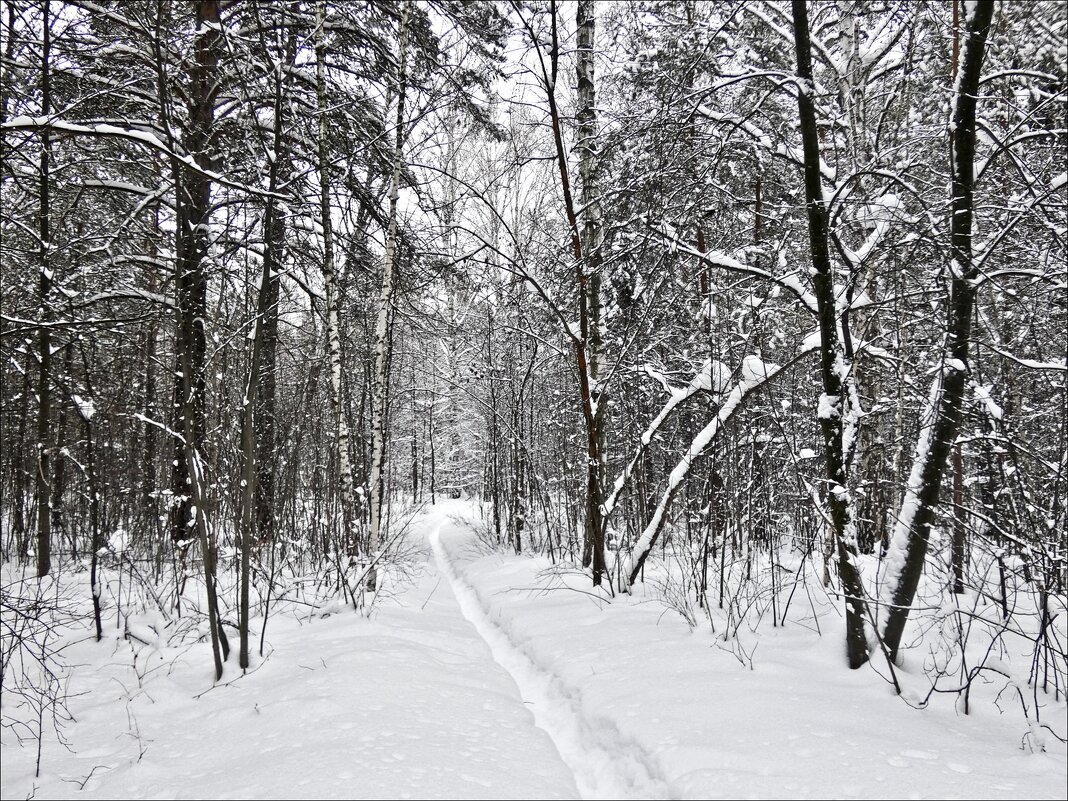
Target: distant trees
x,y
217,108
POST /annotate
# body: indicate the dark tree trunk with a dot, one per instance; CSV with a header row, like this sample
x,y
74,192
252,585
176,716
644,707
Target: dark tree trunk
x,y
831,424
921,499
267,327
193,213
44,351
194,198
266,426
959,531
59,468
595,399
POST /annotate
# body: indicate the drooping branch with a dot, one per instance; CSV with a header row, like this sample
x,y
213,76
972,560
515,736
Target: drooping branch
x,y
754,374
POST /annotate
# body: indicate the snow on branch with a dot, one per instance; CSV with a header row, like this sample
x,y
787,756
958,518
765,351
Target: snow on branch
x,y
752,376
1030,364
789,281
27,123
712,377
897,551
829,173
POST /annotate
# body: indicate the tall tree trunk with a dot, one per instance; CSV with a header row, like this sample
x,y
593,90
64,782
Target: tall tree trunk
x,y
249,451
333,334
19,473
833,360
194,198
190,514
384,323
274,225
913,530
959,530
44,345
494,456
148,399
266,426
95,522
430,437
592,236
257,423
593,519
59,467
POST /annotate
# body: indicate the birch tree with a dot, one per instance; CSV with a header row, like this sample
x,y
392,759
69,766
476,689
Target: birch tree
x,y
333,322
384,324
591,309
585,334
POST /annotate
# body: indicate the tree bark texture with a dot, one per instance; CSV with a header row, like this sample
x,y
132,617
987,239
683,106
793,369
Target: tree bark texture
x,y
43,482
194,200
333,335
595,403
833,366
274,229
384,323
913,531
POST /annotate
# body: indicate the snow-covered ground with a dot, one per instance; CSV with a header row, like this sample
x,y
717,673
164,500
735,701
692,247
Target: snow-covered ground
x,y
493,676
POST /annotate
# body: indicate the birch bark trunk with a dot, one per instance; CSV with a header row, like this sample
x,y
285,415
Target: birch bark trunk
x,y
333,335
384,323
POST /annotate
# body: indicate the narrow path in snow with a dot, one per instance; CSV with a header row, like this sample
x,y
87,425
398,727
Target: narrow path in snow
x,y
605,763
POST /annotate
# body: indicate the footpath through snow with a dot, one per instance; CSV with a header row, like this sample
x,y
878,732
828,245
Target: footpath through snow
x,y
410,704
499,677
641,707
606,764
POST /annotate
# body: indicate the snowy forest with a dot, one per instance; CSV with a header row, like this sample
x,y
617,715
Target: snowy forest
x,y
446,398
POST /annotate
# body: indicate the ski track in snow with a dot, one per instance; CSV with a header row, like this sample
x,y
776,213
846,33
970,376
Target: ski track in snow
x,y
605,763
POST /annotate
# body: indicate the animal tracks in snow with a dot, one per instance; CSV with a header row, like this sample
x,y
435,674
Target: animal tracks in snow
x,y
605,762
